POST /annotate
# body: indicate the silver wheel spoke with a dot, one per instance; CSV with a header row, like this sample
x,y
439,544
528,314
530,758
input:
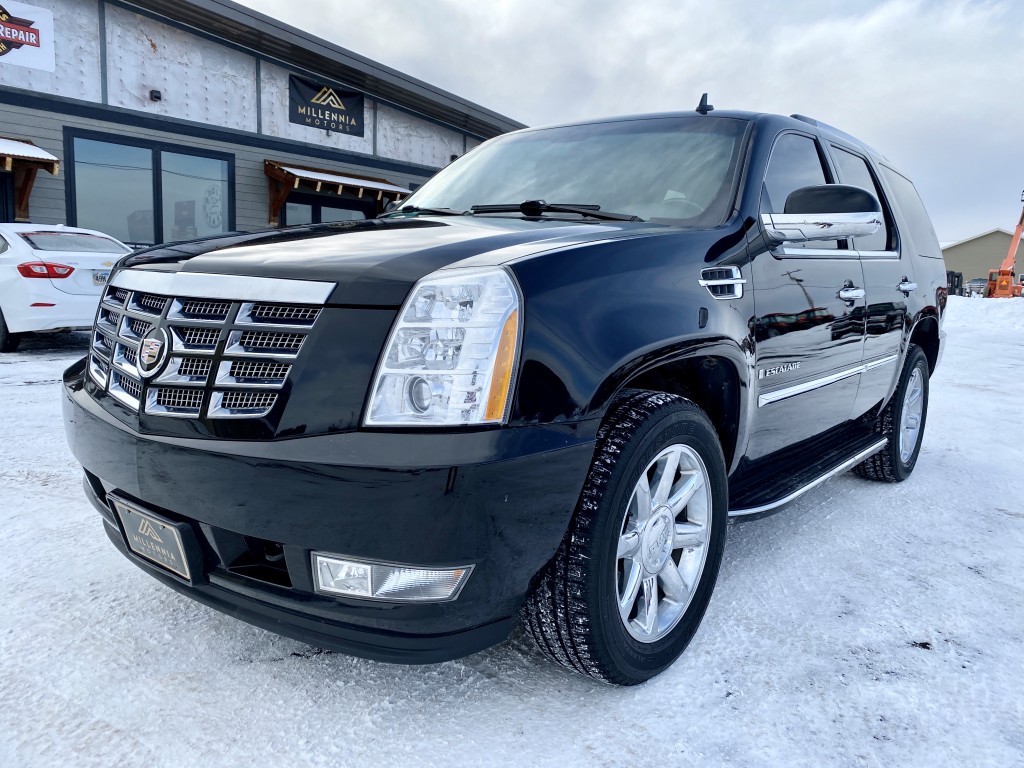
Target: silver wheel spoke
x,y
666,478
673,584
642,495
694,482
915,395
648,618
629,593
688,536
628,542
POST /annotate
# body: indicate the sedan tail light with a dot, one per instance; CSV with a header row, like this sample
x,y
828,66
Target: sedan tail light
x,y
45,269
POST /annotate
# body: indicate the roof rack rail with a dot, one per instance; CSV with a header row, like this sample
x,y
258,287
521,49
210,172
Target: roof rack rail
x,y
836,132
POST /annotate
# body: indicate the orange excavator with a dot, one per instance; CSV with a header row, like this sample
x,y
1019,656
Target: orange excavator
x,y
1000,281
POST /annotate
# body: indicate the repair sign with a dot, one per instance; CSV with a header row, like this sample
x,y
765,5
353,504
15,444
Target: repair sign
x,y
26,36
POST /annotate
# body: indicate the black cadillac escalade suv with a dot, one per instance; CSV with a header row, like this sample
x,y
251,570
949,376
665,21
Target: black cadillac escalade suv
x,y
539,387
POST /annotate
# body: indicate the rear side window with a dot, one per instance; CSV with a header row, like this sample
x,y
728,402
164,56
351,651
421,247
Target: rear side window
x,y
913,210
3,244
854,170
75,242
795,163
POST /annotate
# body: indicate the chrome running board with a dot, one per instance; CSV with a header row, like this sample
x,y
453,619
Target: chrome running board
x,y
846,465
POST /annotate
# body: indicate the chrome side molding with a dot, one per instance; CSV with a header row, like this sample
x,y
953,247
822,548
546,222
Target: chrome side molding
x,y
807,386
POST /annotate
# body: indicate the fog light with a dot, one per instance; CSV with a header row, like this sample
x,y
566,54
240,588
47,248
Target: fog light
x,y
379,581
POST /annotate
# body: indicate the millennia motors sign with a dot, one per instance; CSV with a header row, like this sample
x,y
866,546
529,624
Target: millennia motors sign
x,y
26,36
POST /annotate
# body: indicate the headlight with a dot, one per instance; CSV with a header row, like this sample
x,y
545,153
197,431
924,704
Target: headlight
x,y
452,353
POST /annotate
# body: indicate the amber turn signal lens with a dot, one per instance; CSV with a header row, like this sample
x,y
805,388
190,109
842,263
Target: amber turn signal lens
x,y
504,361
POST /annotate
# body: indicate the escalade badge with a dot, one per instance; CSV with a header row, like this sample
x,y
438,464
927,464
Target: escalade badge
x,y
777,369
152,352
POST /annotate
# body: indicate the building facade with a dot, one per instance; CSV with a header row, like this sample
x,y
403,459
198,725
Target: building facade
x,y
160,120
975,256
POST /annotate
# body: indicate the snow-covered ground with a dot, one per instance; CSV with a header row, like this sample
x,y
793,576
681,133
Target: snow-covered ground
x,y
865,624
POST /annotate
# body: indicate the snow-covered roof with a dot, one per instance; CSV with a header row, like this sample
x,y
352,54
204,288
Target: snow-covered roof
x,y
24,151
976,237
346,181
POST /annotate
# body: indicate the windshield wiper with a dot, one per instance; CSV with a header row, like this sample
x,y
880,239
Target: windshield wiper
x,y
537,207
429,211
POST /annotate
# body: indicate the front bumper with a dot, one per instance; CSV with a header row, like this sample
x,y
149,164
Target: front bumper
x,y
500,499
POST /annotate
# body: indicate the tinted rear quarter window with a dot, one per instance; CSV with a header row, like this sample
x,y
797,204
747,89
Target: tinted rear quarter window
x,y
914,213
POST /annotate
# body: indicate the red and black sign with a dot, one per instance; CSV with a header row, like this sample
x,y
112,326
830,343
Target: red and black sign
x,y
324,107
15,32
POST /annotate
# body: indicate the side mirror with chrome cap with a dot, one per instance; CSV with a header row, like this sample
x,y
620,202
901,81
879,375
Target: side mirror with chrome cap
x,y
824,212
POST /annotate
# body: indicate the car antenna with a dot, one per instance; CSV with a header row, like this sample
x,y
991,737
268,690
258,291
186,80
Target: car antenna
x,y
704,107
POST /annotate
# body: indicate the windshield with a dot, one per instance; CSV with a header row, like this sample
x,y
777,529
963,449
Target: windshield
x,y
73,242
678,169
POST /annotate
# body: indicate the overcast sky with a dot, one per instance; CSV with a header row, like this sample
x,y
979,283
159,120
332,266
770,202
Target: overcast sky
x,y
936,86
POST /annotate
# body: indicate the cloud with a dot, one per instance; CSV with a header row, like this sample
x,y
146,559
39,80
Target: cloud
x,y
933,85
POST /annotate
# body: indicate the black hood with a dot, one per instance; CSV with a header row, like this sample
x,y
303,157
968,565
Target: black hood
x,y
376,262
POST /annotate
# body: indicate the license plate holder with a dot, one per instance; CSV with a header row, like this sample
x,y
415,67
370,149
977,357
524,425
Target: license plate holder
x,y
153,537
100,278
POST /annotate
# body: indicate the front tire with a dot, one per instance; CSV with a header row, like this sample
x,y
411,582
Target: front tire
x,y
902,421
634,574
9,342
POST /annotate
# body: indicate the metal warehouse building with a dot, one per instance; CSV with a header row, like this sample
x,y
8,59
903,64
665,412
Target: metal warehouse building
x,y
976,255
159,120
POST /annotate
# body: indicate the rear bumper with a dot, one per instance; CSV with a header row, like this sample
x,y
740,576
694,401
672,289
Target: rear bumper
x,y
69,311
504,511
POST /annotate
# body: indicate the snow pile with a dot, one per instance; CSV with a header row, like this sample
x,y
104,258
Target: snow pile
x,y
976,313
864,625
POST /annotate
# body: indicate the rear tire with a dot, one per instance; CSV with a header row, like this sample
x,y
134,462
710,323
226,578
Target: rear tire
x,y
9,342
902,421
634,573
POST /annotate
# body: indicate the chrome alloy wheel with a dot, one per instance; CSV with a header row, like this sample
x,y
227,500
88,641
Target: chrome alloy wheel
x,y
663,543
912,411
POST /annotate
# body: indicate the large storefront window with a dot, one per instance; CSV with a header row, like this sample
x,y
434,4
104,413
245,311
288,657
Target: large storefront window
x,y
118,187
195,196
114,190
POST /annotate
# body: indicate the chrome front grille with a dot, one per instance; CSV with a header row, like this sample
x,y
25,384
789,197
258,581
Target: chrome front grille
x,y
201,309
228,358
246,370
195,367
237,404
148,303
136,328
174,401
278,314
200,337
286,342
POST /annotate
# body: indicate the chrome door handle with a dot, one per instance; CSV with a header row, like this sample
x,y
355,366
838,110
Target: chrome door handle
x,y
906,286
850,294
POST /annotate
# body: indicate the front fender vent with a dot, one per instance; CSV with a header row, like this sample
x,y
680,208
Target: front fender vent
x,y
723,282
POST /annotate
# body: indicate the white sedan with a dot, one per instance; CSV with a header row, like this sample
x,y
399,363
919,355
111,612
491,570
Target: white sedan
x,y
51,278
